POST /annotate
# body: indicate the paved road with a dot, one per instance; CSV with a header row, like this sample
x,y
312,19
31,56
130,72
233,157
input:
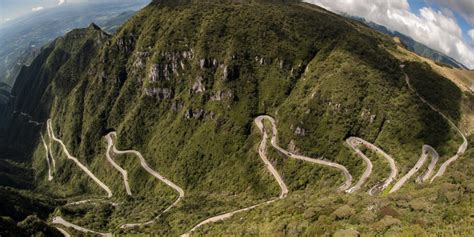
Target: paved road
x,y
124,173
462,148
49,148
65,233
50,173
263,155
274,142
145,165
226,216
353,143
69,156
424,154
434,159
91,200
390,160
60,221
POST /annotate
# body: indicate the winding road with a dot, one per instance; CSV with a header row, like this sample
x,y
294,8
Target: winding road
x,y
65,233
284,189
50,173
110,145
124,173
60,221
356,141
78,163
434,159
262,151
274,142
91,200
424,154
353,142
49,148
462,148
263,156
145,165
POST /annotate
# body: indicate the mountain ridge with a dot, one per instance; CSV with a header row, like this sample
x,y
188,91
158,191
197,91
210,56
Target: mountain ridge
x,y
414,45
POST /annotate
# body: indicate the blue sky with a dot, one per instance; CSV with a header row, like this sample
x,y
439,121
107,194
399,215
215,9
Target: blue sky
x,y
444,25
416,5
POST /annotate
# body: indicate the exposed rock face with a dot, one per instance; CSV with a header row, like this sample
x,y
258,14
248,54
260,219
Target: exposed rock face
x,y
177,106
222,95
199,114
125,45
229,73
300,131
198,87
140,59
159,93
367,115
169,66
154,73
335,106
194,113
208,63
225,73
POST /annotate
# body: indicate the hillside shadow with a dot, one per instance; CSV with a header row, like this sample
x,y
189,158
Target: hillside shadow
x,y
443,94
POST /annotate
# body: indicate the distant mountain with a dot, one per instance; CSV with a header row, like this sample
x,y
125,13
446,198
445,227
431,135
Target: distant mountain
x,y
22,38
414,45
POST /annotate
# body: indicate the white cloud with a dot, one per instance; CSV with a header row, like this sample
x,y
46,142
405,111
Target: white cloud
x,y
471,34
61,2
35,9
464,7
437,29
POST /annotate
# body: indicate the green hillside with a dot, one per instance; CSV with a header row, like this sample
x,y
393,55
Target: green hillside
x,y
182,83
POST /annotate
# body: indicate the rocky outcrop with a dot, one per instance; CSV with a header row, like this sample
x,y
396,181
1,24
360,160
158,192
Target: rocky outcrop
x,y
199,114
222,95
126,44
159,93
300,131
229,73
198,87
194,113
170,66
368,116
177,106
140,60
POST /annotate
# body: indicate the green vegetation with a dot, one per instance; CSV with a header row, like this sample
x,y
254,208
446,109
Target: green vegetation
x,y
443,208
182,84
439,91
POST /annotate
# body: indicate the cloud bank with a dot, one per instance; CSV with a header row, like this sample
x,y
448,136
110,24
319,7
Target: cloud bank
x,y
464,7
471,34
436,29
35,9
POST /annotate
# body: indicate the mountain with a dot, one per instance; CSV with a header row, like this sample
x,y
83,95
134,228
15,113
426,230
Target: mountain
x,y
415,46
158,127
22,38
